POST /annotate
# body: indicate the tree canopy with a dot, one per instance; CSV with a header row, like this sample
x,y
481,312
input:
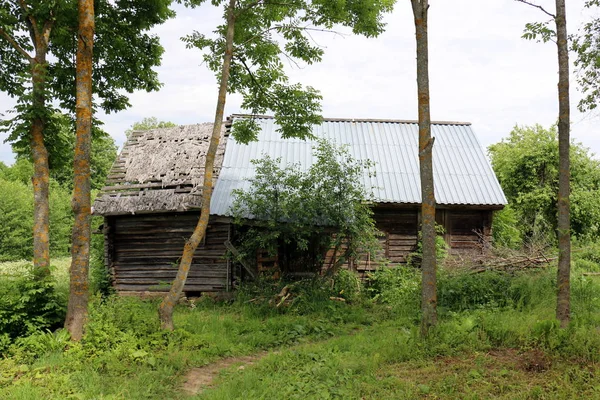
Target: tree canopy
x,y
526,164
266,34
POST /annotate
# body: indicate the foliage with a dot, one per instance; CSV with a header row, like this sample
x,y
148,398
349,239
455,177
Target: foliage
x,y
28,304
398,287
265,32
330,349
586,45
526,164
100,279
505,229
16,210
149,123
124,55
441,248
307,213
61,146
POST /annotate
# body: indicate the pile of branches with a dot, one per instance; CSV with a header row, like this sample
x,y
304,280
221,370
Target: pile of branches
x,y
513,263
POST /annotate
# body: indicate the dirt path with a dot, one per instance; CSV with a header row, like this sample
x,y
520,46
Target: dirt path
x,y
198,379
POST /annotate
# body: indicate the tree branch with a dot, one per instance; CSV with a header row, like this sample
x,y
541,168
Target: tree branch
x,y
536,6
30,21
15,45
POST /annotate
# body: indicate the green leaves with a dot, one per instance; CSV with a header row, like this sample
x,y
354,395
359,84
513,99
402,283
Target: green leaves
x,y
300,210
539,31
124,56
586,46
267,34
526,164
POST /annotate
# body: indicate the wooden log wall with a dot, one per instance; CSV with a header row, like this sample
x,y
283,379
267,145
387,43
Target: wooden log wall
x,y
399,228
467,231
144,251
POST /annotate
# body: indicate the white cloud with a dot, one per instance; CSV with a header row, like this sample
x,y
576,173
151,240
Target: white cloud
x,y
481,71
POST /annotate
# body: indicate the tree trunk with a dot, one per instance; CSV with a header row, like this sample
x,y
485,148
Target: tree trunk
x,y
165,310
563,313
428,263
41,171
80,248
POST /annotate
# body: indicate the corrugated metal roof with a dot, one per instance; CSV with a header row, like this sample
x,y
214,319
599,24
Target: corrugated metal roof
x,y
462,173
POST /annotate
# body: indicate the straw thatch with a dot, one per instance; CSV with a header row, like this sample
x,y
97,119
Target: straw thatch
x,y
159,170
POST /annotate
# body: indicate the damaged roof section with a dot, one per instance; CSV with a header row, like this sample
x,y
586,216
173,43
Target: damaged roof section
x,y
160,170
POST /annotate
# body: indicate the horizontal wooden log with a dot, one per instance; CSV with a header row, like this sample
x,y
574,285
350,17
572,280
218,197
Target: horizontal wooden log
x,y
406,249
165,260
171,267
395,236
155,288
152,281
170,275
402,242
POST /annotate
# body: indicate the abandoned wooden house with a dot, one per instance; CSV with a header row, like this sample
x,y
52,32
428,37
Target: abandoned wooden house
x,y
151,200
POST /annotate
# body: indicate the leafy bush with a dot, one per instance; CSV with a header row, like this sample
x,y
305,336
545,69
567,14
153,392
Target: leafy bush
x,y
458,292
300,215
398,287
28,304
441,248
302,297
526,164
100,279
505,229
16,221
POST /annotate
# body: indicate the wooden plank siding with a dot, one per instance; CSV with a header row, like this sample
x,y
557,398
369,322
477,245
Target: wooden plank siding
x,y
143,252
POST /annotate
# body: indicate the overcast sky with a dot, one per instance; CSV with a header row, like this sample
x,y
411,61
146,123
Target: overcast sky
x,y
481,71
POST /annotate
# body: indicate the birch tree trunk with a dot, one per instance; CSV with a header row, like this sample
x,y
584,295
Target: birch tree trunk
x,y
165,310
428,264
563,313
80,249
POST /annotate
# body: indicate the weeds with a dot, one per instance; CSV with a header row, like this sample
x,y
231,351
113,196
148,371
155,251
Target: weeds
x,y
337,339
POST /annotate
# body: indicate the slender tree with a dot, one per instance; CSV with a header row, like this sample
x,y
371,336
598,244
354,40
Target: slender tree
x,y
37,46
563,306
80,247
429,262
247,60
166,306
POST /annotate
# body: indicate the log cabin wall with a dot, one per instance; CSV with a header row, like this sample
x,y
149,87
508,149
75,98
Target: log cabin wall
x,y
142,252
466,232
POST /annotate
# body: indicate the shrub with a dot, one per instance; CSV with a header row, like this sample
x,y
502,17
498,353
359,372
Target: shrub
x,y
100,279
300,215
28,304
399,287
468,291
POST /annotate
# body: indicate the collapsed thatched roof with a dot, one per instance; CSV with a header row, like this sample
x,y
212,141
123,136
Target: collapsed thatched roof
x,y
159,170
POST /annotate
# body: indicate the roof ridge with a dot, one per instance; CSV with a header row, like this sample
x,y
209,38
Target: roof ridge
x,y
390,121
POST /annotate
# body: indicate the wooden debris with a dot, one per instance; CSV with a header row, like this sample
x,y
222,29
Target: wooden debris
x,y
513,263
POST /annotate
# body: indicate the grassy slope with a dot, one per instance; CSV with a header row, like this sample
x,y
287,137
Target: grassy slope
x,y
480,350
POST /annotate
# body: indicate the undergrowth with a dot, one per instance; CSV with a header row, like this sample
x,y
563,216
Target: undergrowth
x,y
337,337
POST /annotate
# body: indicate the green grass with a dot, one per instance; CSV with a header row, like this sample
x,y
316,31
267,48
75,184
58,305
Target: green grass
x,y
59,269
497,338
